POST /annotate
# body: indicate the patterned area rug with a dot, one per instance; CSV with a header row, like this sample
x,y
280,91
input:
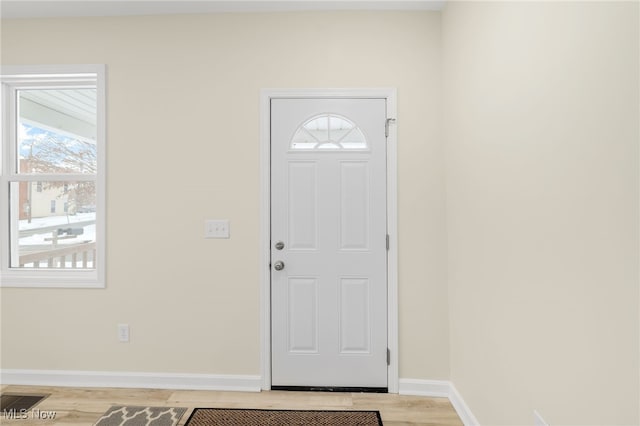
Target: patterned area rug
x,y
141,416
240,417
18,402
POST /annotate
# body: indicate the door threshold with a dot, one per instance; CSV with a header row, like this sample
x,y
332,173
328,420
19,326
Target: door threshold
x,y
349,389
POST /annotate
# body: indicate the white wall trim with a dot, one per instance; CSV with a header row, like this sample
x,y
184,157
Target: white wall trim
x,y
442,389
462,408
108,379
14,77
431,388
265,208
65,9
217,382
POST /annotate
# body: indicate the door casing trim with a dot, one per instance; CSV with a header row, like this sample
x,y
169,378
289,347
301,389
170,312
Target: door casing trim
x,y
390,94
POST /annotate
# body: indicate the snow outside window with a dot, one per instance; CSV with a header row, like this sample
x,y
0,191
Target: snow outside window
x,y
52,176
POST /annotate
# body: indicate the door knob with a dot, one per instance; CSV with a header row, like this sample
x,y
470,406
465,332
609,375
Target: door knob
x,y
279,265
279,245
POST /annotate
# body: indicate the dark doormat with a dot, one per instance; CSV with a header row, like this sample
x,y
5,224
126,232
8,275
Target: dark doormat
x,y
18,402
251,417
120,415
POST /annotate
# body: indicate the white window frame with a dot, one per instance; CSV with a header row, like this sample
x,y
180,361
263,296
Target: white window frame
x,y
11,79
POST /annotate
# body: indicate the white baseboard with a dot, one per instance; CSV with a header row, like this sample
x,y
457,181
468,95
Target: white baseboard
x,y
442,389
107,379
432,388
462,408
221,382
538,420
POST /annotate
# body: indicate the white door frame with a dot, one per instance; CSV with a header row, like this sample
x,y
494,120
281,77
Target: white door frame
x,y
266,95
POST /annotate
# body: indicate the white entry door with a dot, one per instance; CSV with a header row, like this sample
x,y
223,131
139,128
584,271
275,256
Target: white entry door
x,y
328,243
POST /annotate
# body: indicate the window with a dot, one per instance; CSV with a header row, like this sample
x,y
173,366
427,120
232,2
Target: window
x,y
52,176
330,132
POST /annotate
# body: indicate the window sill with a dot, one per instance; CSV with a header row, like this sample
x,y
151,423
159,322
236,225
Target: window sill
x,y
51,279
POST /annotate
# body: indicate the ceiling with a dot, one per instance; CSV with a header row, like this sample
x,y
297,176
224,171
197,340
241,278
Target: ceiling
x,y
13,9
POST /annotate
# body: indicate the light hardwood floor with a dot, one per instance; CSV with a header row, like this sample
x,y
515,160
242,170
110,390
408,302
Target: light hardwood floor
x,y
83,406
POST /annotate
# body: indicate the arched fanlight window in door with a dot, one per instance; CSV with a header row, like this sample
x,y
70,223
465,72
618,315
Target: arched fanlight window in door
x,y
329,132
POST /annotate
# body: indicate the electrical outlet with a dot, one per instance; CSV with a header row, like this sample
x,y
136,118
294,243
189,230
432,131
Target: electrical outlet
x,y
216,229
123,333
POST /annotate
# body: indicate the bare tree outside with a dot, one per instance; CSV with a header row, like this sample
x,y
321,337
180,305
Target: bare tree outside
x,y
45,152
56,148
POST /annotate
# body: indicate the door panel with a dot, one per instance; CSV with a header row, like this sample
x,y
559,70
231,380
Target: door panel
x,y
355,316
354,205
303,315
303,205
328,208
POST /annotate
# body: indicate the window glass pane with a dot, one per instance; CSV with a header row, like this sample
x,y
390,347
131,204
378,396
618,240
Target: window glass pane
x,y
338,128
354,140
303,140
318,128
44,235
329,132
329,145
56,131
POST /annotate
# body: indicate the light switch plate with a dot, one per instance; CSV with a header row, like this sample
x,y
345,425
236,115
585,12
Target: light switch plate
x,y
216,229
123,333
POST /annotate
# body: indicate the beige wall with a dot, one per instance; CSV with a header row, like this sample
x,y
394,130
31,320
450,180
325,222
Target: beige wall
x,y
183,116
541,134
539,242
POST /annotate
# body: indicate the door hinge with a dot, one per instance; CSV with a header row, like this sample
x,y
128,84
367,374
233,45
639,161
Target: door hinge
x,y
387,242
387,123
388,356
